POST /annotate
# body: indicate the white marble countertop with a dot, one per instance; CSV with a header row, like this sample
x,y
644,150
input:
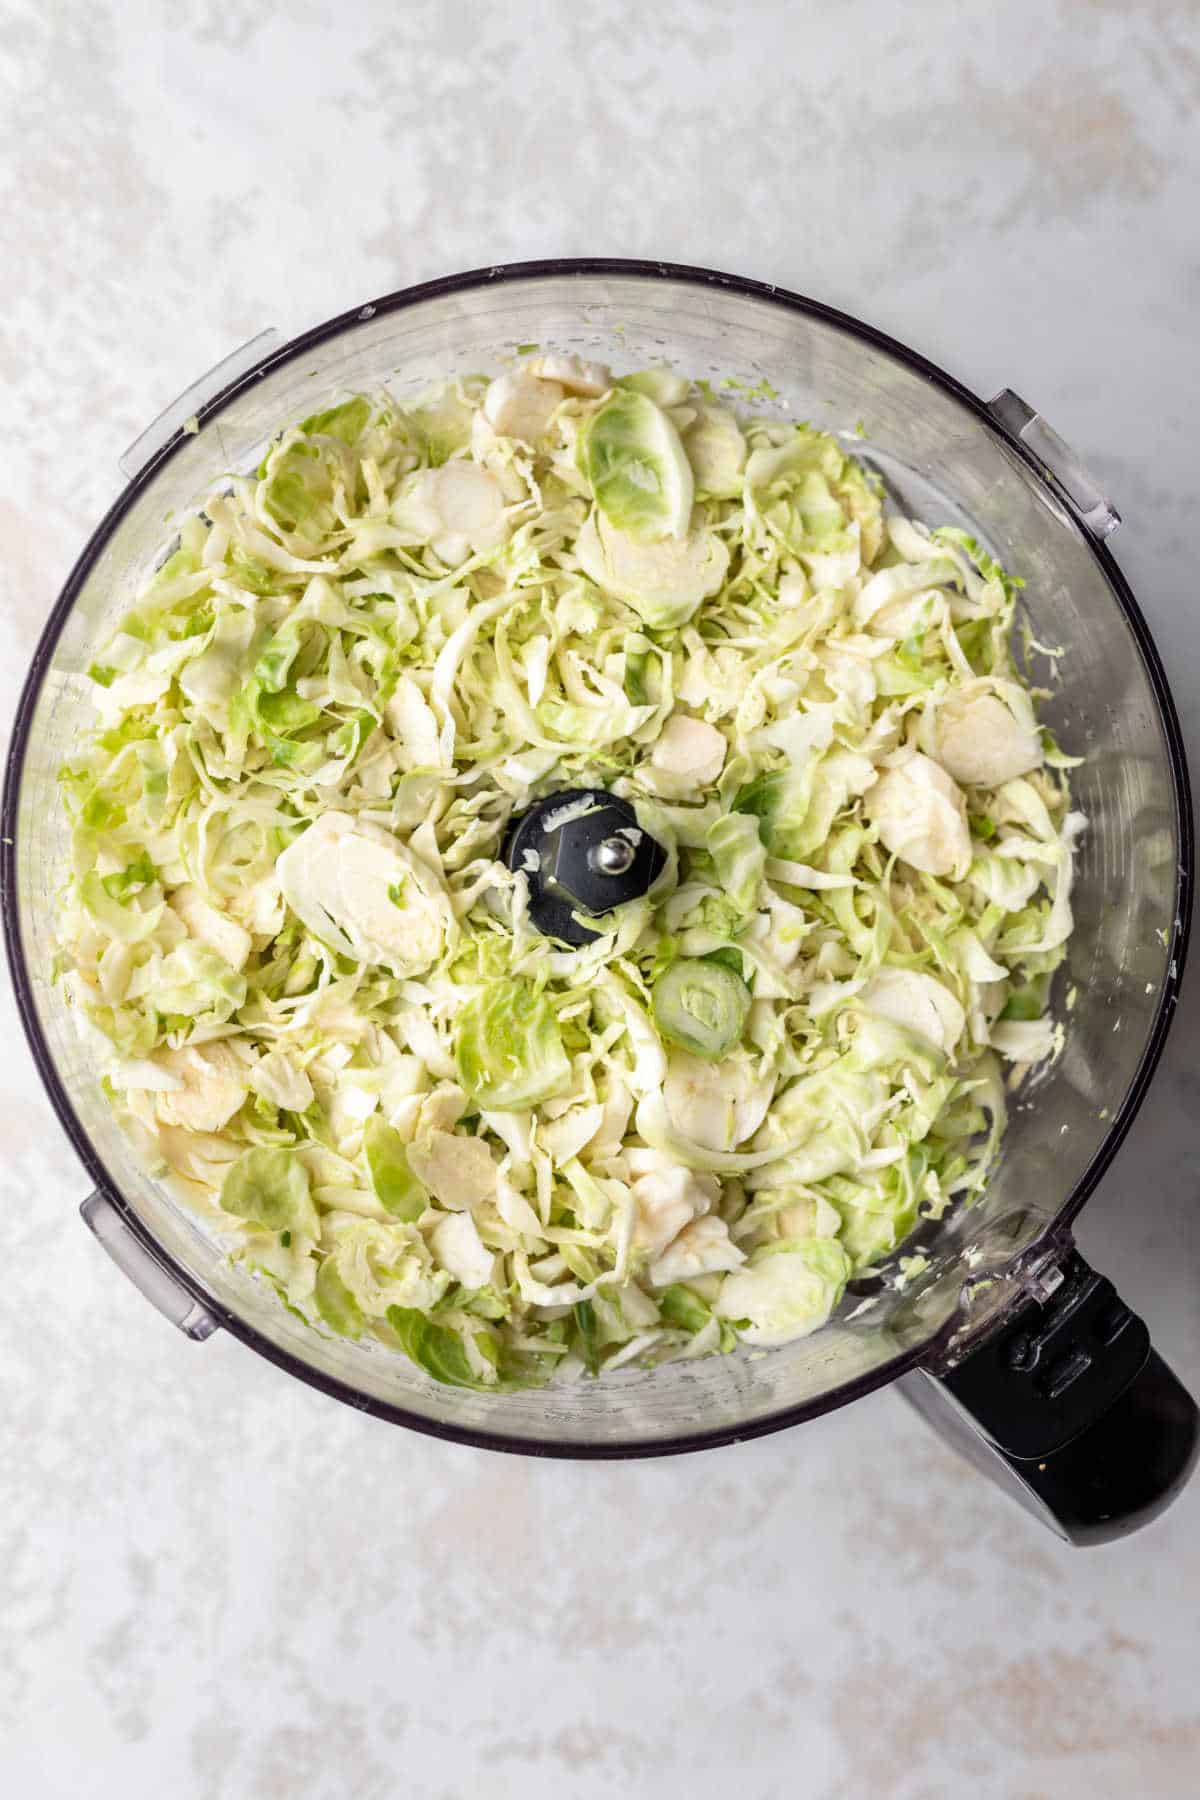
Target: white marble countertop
x,y
214,1582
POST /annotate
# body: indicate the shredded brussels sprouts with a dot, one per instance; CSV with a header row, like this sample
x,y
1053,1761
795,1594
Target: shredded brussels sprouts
x,y
319,1004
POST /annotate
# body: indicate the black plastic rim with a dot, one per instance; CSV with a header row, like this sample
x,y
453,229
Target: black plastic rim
x,y
507,274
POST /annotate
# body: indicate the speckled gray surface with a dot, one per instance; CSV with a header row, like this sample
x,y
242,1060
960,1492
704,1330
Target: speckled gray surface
x,y
217,1584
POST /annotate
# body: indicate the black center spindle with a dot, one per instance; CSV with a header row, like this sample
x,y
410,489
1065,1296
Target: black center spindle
x,y
581,851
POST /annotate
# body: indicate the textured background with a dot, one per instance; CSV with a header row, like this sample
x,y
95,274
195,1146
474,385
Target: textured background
x,y
215,1583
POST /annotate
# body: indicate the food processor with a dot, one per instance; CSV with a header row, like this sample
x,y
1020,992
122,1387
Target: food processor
x,y
1006,1339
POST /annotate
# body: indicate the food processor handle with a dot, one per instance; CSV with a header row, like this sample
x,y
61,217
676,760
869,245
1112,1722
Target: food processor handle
x,y
1067,1407
116,1235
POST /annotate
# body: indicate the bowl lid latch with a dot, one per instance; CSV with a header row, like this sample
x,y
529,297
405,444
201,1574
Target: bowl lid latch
x,y
1094,510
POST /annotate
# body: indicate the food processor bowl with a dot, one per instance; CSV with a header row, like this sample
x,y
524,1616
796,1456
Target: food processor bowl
x,y
1005,1325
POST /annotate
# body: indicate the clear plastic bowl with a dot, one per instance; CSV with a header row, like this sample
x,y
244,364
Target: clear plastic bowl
x,y
945,456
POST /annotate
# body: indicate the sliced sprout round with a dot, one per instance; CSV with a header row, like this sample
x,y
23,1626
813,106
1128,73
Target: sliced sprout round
x,y
701,1006
666,1198
689,750
271,1188
983,740
575,373
396,1187
458,1171
522,405
311,983
702,1248
921,816
334,1302
459,508
787,1291
717,1104
368,897
664,386
919,1002
666,582
637,468
716,450
509,1048
460,1250
208,1086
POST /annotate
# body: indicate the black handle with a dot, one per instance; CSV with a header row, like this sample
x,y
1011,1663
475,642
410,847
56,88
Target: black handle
x,y
1067,1407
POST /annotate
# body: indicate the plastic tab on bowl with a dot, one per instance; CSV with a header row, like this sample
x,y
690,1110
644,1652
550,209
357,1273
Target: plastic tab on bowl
x,y
183,413
145,1271
1095,510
